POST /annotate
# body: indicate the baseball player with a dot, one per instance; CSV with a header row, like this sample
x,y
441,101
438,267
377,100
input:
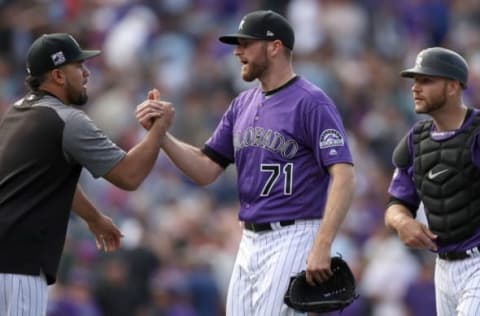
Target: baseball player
x,y
295,171
438,163
46,141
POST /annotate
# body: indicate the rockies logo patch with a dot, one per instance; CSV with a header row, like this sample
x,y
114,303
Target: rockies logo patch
x,y
331,138
58,58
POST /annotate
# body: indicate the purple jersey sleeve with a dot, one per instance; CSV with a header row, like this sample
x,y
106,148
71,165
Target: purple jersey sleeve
x,y
326,135
402,186
282,145
222,138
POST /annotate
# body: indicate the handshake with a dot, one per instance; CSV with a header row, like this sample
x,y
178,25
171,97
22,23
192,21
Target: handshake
x,y
152,109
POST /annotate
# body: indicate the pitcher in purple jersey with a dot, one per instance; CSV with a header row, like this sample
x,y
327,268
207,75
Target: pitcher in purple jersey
x,y
438,164
295,170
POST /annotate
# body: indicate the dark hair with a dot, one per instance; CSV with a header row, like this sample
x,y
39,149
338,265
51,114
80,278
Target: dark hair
x,y
34,82
288,52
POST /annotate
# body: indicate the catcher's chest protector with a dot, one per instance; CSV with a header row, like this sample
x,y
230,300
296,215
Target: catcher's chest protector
x,y
447,182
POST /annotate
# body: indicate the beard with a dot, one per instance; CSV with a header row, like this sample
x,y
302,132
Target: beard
x,y
255,70
74,96
434,103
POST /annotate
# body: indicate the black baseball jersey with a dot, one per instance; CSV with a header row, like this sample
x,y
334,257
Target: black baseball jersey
x,y
43,146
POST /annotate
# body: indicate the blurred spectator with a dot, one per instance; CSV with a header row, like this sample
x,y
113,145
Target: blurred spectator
x,y
75,299
171,294
352,49
419,296
113,293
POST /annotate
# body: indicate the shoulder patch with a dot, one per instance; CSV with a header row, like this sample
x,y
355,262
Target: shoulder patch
x,y
331,138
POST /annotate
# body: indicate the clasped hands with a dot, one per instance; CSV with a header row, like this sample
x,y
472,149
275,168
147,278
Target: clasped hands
x,y
155,113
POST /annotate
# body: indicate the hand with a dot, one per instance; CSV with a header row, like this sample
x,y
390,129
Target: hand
x,y
318,264
107,235
152,108
416,235
163,123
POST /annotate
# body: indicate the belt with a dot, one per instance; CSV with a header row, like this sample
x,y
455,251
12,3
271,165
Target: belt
x,y
261,227
460,255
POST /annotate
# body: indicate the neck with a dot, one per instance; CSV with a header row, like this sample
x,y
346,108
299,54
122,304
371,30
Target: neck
x,y
52,90
451,120
276,78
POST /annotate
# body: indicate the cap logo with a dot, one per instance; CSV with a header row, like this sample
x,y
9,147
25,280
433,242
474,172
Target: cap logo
x,y
418,62
58,58
241,24
270,33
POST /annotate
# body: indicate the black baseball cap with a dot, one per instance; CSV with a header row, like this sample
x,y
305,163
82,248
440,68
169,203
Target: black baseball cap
x,y
262,25
50,51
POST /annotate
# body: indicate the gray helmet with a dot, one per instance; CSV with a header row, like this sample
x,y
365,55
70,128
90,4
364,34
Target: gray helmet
x,y
439,62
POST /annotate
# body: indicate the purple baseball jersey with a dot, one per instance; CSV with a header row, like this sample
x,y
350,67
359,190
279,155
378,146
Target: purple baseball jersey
x,y
282,144
402,186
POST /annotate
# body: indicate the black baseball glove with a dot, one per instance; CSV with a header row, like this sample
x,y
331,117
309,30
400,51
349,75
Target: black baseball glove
x,y
334,294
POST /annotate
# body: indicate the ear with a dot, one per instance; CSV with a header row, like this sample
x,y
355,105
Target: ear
x,y
275,48
453,87
58,76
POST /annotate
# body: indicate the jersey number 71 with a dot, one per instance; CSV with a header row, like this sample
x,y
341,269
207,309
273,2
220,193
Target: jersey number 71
x,y
274,170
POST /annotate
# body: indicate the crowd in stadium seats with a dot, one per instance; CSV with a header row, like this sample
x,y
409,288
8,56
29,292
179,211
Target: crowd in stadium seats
x,y
180,239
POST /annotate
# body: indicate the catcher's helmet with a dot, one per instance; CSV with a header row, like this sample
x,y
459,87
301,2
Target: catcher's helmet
x,y
439,62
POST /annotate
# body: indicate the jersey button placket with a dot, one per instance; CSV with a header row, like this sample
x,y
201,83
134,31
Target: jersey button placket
x,y
257,114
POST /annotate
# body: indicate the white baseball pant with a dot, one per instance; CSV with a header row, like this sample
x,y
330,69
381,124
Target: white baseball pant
x,y
457,287
23,295
263,267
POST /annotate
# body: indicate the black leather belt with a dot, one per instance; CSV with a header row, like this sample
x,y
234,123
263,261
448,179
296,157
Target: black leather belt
x,y
459,255
261,227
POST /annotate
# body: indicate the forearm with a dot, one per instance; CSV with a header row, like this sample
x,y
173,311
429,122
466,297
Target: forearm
x,y
140,159
130,172
107,235
191,160
340,195
82,206
396,215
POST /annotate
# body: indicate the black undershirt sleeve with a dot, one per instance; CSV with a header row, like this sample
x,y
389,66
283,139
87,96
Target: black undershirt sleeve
x,y
412,208
216,157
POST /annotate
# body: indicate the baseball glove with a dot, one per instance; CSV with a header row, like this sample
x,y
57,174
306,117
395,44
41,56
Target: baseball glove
x,y
334,294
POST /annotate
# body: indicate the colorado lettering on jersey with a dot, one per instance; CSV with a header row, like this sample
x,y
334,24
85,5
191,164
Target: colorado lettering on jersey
x,y
331,138
267,139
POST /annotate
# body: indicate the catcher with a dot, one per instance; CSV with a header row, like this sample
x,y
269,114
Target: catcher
x,y
334,294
